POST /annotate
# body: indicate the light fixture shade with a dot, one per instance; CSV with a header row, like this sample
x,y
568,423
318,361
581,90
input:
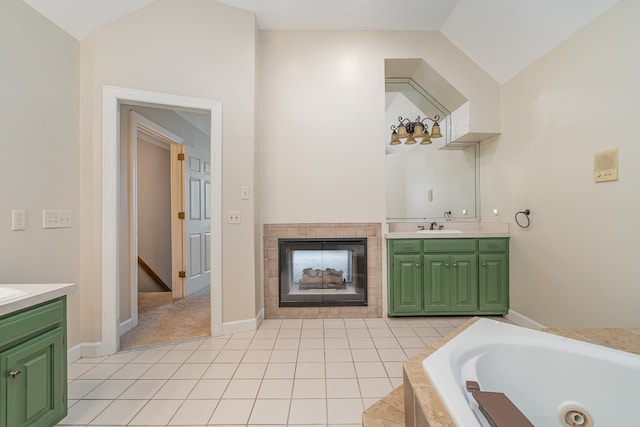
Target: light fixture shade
x,y
418,131
402,132
435,131
410,140
426,139
395,139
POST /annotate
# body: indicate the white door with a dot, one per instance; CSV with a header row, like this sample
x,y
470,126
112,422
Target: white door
x,y
197,205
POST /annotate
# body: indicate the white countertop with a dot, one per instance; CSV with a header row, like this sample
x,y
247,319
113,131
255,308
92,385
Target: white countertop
x,y
37,293
409,230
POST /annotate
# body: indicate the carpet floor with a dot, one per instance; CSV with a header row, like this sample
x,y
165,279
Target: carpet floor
x,y
162,320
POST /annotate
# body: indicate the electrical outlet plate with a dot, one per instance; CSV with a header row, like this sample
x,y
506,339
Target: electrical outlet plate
x,y
233,217
54,218
605,166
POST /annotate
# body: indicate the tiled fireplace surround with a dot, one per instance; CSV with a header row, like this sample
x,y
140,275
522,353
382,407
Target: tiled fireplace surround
x,y
372,231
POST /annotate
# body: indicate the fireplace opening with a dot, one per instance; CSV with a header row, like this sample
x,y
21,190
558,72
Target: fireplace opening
x,y
322,272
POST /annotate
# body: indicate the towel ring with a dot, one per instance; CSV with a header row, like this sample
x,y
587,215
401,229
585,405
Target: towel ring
x,y
526,213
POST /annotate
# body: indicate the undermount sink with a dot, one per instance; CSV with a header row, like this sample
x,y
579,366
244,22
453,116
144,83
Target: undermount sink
x,y
438,231
7,294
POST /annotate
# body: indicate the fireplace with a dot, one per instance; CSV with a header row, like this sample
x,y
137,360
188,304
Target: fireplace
x,y
322,272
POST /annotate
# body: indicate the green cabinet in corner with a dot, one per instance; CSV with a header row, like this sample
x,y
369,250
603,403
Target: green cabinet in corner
x,y
448,276
33,365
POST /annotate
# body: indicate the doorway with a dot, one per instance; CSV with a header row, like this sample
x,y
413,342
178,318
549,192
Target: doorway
x,y
113,97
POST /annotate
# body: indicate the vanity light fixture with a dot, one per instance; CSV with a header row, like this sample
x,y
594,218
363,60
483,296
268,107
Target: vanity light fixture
x,y
410,132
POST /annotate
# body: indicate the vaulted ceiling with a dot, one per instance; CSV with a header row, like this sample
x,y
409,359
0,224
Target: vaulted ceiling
x,y
501,36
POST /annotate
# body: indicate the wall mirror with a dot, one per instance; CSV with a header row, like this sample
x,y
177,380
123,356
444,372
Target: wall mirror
x,y
426,182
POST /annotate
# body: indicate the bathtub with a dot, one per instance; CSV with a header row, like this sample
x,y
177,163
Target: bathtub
x,y
552,380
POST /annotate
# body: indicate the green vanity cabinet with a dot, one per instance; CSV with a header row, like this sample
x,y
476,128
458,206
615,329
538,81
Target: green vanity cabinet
x,y
33,365
494,275
448,276
407,273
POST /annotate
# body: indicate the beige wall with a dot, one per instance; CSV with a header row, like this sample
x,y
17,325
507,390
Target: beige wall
x,y
154,214
194,48
576,265
39,75
322,115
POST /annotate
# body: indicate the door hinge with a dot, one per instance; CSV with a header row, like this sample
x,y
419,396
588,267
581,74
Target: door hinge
x,y
180,215
180,156
182,274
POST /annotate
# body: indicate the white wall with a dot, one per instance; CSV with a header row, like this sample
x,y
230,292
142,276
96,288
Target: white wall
x,y
195,48
39,76
576,265
322,118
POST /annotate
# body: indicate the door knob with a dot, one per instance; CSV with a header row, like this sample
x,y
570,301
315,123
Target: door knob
x,y
15,374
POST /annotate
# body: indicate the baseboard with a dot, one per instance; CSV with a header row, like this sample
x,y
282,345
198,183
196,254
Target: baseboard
x,y
243,325
125,327
259,318
522,320
84,349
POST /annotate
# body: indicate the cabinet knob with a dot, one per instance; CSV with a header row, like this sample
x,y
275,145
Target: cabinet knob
x,y
446,265
15,374
417,265
484,264
454,264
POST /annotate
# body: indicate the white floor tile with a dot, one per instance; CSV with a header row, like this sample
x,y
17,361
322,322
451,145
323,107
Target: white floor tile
x,y
162,371
109,389
340,370
284,356
311,343
101,372
280,370
392,355
131,371
338,355
156,412
370,370
250,370
213,343
256,356
220,371
143,389
150,356
229,356
289,333
242,389
361,343
237,344
190,371
120,412
176,356
310,370
308,411
123,357
343,388
375,387
175,389
194,413
287,343
232,412
270,412
209,389
77,389
304,388
334,343
276,389
311,355
202,356
365,355
312,333
262,344
344,411
84,411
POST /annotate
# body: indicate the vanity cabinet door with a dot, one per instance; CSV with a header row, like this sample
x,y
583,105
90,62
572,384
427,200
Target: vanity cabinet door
x,y
437,277
406,284
34,381
494,283
464,282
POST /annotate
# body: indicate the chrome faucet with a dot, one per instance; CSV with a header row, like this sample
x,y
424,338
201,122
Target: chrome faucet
x,y
433,225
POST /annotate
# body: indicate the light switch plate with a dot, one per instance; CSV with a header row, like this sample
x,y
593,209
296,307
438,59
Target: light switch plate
x,y
18,219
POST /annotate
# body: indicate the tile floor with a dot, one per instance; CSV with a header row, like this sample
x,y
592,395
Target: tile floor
x,y
318,372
